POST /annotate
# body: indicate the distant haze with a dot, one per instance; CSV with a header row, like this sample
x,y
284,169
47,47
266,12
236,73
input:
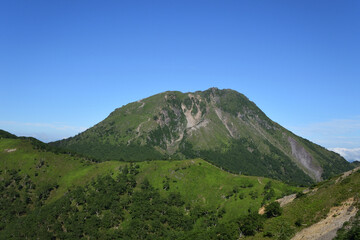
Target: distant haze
x,y
350,154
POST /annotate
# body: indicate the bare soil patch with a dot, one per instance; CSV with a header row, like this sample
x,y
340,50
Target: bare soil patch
x,y
326,229
10,150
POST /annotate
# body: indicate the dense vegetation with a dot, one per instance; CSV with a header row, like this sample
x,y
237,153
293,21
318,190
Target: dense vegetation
x,y
240,160
47,194
99,210
122,152
4,134
115,207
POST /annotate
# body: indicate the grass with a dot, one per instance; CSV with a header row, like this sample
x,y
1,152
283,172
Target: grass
x,y
313,206
200,183
49,168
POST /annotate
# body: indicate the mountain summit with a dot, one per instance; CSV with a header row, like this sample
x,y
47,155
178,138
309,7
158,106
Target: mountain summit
x,y
221,126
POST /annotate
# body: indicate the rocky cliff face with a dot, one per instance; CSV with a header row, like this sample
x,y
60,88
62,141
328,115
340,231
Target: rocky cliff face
x,y
222,126
305,159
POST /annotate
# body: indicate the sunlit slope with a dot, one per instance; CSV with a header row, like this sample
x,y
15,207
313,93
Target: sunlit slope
x,y
56,172
199,182
200,185
221,126
335,200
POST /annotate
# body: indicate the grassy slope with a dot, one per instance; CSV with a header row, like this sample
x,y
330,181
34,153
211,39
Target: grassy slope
x,y
202,183
49,168
199,182
316,204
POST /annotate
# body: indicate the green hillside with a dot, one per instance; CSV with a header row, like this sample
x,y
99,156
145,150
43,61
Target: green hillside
x,y
221,126
308,209
45,169
46,192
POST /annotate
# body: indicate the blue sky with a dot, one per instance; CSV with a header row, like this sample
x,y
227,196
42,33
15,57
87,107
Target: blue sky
x,y
65,65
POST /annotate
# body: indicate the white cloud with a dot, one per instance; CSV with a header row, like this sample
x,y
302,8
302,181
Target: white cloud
x,y
350,154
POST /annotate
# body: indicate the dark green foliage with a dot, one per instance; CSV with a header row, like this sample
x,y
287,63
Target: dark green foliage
x,y
188,103
254,195
82,212
299,194
43,192
4,134
355,164
285,231
122,152
226,231
251,224
239,159
159,135
234,103
298,222
117,208
174,100
273,210
203,108
241,195
110,208
268,195
166,185
345,181
195,110
352,234
18,195
268,186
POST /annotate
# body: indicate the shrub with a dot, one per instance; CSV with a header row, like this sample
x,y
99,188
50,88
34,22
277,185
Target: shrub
x,y
298,222
251,224
299,194
273,210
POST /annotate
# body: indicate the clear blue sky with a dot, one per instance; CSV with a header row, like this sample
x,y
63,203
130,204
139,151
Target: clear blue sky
x,y
65,65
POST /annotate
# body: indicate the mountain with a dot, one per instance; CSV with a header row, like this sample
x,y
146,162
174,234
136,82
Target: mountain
x,y
221,126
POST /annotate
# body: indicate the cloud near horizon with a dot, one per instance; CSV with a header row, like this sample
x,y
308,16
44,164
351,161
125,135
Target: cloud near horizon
x,y
350,154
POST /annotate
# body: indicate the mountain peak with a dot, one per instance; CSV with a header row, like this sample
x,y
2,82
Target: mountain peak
x,y
222,126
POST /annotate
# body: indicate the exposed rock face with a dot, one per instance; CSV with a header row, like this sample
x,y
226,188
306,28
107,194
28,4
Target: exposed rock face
x,y
326,229
305,160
